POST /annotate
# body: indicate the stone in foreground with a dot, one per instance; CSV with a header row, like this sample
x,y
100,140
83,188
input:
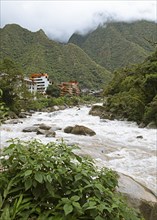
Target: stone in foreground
x,y
138,197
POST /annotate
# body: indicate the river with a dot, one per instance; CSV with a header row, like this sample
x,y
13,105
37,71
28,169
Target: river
x,y
119,145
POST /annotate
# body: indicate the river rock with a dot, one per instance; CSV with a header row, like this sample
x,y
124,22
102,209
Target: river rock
x,y
97,110
152,125
24,114
44,126
107,115
68,129
56,108
139,137
138,197
79,130
50,133
13,121
41,131
55,128
31,111
82,130
30,129
12,115
62,107
142,125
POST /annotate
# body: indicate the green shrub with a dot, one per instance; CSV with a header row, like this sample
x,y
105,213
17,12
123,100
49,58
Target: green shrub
x,y
38,104
151,112
3,108
127,105
52,182
53,90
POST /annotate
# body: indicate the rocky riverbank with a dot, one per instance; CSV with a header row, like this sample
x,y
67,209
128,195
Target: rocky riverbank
x,y
102,112
115,145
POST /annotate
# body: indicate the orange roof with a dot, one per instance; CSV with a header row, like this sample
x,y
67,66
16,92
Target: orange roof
x,y
37,75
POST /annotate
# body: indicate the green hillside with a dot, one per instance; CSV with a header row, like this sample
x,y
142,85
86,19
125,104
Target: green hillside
x,y
132,94
118,44
35,52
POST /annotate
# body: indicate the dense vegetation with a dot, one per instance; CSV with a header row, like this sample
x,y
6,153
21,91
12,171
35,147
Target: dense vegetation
x,y
3,108
63,62
133,92
118,44
51,182
14,95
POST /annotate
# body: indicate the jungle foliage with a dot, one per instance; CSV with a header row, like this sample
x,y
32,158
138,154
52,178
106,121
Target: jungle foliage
x,y
132,94
3,108
51,182
14,93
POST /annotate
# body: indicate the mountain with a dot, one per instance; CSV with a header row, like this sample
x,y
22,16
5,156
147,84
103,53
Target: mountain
x,y
35,52
133,92
118,44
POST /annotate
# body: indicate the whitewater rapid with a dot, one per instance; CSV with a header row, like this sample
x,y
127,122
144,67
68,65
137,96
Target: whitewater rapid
x,y
119,145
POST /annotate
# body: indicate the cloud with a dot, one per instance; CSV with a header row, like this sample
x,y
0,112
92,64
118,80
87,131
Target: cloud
x,y
60,19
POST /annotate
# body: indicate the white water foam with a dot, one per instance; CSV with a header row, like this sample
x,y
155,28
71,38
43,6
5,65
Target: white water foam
x,y
115,144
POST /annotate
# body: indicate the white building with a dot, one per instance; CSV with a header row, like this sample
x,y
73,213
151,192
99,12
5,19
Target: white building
x,y
38,82
32,86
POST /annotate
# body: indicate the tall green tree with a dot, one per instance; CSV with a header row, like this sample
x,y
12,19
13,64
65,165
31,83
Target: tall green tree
x,y
15,93
3,109
53,90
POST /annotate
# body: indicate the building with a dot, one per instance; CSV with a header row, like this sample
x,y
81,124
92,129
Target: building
x,y
38,82
31,85
70,88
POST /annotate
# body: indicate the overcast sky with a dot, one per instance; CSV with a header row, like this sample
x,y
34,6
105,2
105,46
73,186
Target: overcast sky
x,y
61,18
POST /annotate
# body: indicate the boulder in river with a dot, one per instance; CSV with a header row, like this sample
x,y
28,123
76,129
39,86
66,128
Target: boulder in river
x,y
24,114
30,129
13,121
97,110
50,133
41,131
12,115
79,130
44,126
68,129
152,125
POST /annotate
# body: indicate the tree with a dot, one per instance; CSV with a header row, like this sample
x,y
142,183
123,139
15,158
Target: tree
x,y
53,90
3,109
15,93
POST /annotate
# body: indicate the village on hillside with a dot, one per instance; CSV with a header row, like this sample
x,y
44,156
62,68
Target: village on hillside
x,y
39,82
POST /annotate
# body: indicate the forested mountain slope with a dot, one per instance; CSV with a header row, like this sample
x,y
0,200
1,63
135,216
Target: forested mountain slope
x,y
35,52
118,44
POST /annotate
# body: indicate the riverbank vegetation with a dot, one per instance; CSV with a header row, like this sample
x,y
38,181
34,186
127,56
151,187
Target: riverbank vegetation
x,y
132,94
15,94
50,181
